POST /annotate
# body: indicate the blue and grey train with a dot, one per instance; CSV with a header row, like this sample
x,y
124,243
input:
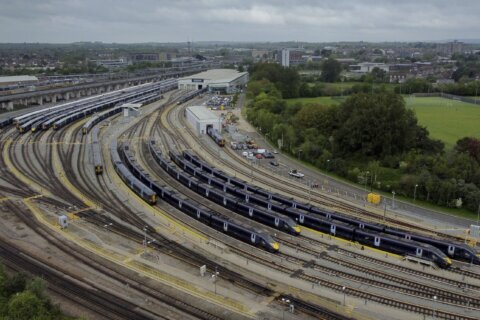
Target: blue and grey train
x,y
130,180
222,198
195,210
266,199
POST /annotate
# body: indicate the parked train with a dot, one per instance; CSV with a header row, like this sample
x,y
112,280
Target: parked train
x,y
100,117
189,96
147,98
237,205
130,180
264,199
97,152
195,210
5,122
216,136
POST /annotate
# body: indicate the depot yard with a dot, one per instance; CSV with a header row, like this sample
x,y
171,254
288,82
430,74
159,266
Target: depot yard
x,y
445,119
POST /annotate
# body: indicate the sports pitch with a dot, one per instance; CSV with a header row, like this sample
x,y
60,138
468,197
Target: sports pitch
x,y
446,120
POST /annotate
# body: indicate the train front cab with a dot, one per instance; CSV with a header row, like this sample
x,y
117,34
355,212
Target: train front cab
x,y
98,169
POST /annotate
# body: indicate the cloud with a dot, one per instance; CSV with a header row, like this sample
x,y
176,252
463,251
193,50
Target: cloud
x,y
247,20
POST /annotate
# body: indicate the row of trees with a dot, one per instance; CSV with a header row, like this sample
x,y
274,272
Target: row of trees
x,y
370,138
25,299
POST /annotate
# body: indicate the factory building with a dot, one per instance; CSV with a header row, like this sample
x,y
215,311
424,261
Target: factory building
x,y
15,82
200,118
216,80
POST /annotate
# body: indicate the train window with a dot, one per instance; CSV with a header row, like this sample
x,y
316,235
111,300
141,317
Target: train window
x,y
329,216
377,241
198,214
247,198
408,237
294,205
333,229
252,237
225,226
180,203
250,212
451,250
209,181
419,252
224,201
269,206
302,218
277,221
361,226
224,188
206,192
189,183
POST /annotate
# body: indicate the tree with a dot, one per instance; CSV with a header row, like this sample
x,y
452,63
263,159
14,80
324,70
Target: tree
x,y
25,305
331,70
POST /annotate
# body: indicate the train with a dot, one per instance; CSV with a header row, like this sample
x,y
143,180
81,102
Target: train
x,y
47,117
216,136
189,96
265,199
130,180
244,208
5,122
195,210
100,117
147,98
97,152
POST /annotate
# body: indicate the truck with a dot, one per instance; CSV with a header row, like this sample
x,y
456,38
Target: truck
x,y
295,173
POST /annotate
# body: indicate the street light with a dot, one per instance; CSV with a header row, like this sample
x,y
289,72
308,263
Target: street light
x,y
145,238
287,302
434,309
343,289
214,276
415,192
298,153
393,200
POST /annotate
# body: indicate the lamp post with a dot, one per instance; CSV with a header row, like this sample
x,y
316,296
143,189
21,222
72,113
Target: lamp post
x,y
145,239
287,302
415,192
343,289
393,200
328,164
215,276
298,153
434,309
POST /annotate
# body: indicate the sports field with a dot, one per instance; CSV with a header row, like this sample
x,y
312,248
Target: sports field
x,y
447,120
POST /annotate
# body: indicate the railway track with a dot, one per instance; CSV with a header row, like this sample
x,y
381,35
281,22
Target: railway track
x,y
292,189
425,292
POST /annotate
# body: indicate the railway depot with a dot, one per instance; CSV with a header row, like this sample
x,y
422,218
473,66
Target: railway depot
x,y
200,118
216,80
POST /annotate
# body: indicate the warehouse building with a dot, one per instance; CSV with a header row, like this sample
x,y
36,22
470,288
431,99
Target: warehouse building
x,y
200,118
15,82
216,80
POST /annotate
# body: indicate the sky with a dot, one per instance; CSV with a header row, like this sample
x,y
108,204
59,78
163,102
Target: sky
x,y
133,21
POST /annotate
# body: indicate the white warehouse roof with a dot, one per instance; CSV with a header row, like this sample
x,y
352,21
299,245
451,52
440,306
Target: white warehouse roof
x,y
14,79
202,113
217,75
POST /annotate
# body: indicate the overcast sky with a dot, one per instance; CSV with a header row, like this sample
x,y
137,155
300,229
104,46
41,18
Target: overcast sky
x,y
237,20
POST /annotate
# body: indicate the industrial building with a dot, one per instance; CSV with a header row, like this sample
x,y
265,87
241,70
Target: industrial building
x,y
15,82
216,80
200,118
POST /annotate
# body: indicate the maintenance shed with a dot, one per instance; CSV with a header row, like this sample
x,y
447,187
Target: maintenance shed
x,y
216,80
200,118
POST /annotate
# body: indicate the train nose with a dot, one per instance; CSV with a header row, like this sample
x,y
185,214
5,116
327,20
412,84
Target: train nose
x,y
297,229
448,261
275,246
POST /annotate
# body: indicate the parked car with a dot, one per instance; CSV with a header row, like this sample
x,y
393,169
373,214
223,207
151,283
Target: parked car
x,y
275,151
296,174
268,155
245,153
274,163
259,156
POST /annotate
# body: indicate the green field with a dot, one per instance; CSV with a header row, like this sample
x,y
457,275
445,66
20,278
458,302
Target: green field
x,y
447,120
321,100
